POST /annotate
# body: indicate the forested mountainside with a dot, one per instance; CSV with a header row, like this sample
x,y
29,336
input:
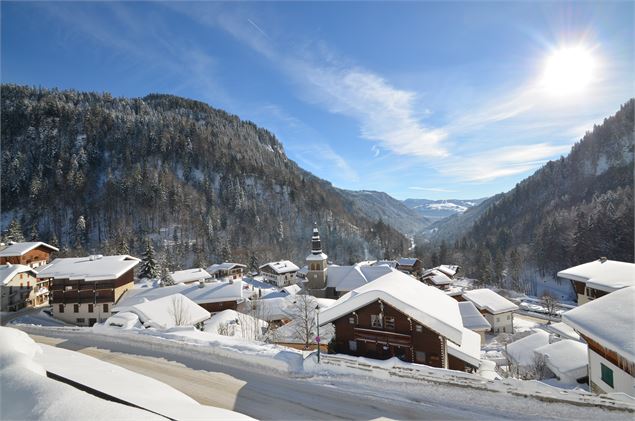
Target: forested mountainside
x,y
381,206
570,211
435,210
95,173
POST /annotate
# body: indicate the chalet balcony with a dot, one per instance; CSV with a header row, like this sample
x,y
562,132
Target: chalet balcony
x,y
382,336
82,297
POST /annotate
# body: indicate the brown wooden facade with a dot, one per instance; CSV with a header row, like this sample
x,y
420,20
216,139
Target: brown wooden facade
x,y
33,258
610,355
219,306
361,333
66,291
415,269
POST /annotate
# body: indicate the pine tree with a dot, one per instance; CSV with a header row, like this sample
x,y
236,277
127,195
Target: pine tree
x,y
253,263
34,233
122,247
225,253
166,279
149,266
14,232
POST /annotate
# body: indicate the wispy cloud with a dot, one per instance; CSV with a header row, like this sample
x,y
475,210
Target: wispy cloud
x,y
432,189
258,28
491,164
375,150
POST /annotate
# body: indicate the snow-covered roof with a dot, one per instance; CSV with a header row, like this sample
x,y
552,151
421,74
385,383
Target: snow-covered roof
x,y
283,266
303,270
224,266
170,311
236,324
472,318
605,275
347,278
566,357
522,350
211,292
319,257
124,320
449,270
19,249
407,261
486,299
437,277
90,268
469,350
288,333
391,263
608,320
563,330
8,272
425,304
189,275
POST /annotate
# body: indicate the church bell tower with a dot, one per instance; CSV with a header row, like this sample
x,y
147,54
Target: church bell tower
x,y
316,263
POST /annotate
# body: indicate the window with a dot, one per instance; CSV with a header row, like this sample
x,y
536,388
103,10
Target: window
x,y
80,321
375,320
390,323
503,329
105,308
420,357
352,346
90,308
351,320
68,288
75,308
607,375
61,308
419,328
21,275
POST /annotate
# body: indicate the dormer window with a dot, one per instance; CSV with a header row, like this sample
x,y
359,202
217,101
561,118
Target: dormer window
x,y
376,320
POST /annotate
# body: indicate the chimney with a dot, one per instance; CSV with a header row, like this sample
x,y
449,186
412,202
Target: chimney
x,y
201,284
603,259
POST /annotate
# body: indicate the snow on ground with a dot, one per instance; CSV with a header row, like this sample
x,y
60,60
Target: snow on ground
x,y
137,389
27,394
233,323
41,318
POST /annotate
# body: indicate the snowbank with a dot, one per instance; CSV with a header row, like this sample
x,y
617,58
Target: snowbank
x,y
27,394
233,323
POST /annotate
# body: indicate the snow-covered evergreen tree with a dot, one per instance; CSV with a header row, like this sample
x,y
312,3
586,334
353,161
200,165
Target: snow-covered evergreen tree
x,y
166,279
149,265
14,232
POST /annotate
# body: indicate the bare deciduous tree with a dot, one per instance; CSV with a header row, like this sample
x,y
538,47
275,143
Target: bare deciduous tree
x,y
303,315
178,311
550,304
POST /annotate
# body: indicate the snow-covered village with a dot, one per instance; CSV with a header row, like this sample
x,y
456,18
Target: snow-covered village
x,y
300,210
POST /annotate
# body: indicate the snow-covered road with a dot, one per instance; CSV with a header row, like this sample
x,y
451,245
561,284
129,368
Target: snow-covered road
x,y
268,394
262,395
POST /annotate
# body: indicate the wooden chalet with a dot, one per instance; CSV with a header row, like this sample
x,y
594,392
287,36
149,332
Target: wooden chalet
x,y
598,278
33,254
398,316
84,289
226,271
410,265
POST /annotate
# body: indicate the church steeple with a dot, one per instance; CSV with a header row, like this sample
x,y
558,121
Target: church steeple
x,y
316,244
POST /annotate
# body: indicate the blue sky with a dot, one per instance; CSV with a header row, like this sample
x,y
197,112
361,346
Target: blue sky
x,y
423,100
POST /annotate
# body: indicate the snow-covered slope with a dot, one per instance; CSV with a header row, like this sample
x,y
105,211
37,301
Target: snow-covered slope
x,y
439,209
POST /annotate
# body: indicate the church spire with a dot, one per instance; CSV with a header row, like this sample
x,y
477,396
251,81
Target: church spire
x,y
316,244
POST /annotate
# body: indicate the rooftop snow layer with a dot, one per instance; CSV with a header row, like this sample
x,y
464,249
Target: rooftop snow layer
x,y
565,356
19,249
283,266
469,350
8,272
211,292
449,270
472,318
425,304
189,275
608,275
224,266
563,330
319,257
90,268
608,320
170,311
347,278
522,350
486,299
407,261
437,277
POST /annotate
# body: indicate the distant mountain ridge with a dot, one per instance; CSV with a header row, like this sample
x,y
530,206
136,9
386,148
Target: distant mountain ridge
x,y
435,210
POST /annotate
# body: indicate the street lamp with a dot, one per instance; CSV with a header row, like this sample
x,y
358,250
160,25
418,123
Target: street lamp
x,y
317,338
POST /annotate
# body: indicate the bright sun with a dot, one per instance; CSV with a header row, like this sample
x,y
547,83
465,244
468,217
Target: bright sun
x,y
568,71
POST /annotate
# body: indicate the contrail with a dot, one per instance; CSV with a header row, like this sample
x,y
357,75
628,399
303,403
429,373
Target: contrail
x,y
257,27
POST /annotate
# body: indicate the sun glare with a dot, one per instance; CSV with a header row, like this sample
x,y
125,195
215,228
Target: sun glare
x,y
568,71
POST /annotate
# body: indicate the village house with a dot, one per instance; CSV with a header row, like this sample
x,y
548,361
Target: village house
x,y
436,278
212,296
20,288
398,316
606,325
226,271
596,279
473,319
33,254
410,265
84,289
190,276
498,310
566,359
281,273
